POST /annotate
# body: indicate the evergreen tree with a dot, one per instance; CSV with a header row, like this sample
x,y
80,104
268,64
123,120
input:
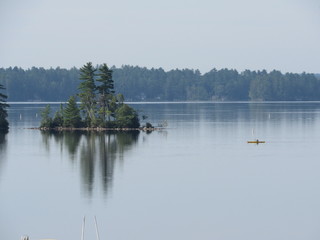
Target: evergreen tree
x,y
58,118
4,125
87,93
113,105
71,114
120,98
105,90
46,120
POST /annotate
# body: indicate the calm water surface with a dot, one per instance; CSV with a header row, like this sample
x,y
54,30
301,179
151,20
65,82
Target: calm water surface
x,y
198,179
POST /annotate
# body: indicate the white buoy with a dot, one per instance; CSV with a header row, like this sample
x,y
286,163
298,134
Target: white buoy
x,y
20,116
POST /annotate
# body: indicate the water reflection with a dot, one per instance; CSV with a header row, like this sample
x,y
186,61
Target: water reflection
x,y
3,148
94,152
258,112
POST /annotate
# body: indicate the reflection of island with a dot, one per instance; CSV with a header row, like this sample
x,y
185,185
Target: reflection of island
x,y
3,148
96,153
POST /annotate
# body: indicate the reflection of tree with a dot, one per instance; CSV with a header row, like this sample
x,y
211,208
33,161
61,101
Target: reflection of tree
x,y
46,136
3,148
71,140
102,150
112,147
96,153
87,161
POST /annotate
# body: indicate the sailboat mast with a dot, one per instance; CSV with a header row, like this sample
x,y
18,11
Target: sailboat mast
x,y
97,231
83,225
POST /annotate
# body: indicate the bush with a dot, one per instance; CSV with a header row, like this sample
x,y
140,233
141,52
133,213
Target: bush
x,y
110,124
127,117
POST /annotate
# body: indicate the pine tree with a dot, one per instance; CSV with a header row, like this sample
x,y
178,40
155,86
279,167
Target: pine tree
x,y
4,124
46,120
87,93
71,114
105,90
58,117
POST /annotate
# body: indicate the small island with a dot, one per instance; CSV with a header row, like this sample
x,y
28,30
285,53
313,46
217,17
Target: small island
x,y
100,108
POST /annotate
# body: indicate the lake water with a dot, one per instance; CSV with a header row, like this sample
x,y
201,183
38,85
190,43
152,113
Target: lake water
x,y
198,179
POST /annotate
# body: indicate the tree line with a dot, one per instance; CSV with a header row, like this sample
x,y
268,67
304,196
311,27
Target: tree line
x,y
4,124
99,105
142,84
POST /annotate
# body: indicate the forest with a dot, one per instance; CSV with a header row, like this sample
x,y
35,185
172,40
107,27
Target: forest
x,y
4,124
142,84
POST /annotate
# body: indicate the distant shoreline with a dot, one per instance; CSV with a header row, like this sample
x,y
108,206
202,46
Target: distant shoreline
x,y
170,102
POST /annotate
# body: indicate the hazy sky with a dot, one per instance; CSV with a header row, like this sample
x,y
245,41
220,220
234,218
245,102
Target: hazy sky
x,y
197,34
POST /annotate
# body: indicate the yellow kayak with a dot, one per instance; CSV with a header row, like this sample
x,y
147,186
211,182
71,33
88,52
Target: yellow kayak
x,y
256,141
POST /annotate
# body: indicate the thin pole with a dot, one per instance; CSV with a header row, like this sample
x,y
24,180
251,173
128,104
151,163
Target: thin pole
x,y
97,231
83,224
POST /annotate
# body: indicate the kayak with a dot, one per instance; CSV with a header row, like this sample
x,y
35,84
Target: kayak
x,y
256,141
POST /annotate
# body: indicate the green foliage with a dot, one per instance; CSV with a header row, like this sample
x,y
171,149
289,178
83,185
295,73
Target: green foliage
x,y
142,84
127,117
106,85
46,120
105,90
4,124
71,114
87,93
120,98
289,87
113,105
101,108
58,117
39,84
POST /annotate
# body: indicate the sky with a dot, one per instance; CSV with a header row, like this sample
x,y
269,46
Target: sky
x,y
196,34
